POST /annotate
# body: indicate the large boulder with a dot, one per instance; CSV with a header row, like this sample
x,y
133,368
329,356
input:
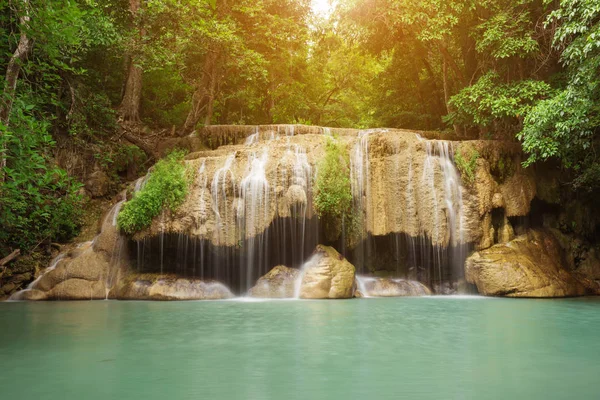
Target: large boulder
x,y
386,287
327,275
152,287
85,272
79,274
531,265
278,283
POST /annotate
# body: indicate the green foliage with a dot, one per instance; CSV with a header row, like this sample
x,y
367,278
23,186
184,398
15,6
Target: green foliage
x,y
333,194
507,33
167,187
39,201
465,160
566,125
165,101
489,101
117,158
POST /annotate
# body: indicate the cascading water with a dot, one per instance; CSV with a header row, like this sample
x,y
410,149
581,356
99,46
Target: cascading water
x,y
359,181
450,215
435,251
254,138
253,215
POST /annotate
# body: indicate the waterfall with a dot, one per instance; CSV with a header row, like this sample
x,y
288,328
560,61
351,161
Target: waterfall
x,y
427,210
448,214
223,180
301,176
253,138
359,181
253,208
253,216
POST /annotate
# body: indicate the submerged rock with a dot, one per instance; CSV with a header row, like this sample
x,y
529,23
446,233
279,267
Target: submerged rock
x,y
169,288
328,275
531,265
387,287
280,282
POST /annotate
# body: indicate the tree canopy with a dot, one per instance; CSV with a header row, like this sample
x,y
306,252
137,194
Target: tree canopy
x,y
74,70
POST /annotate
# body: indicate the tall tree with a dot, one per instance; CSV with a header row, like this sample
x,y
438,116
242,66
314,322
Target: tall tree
x,y
132,93
12,74
205,87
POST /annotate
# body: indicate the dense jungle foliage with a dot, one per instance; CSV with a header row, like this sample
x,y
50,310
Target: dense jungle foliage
x,y
76,71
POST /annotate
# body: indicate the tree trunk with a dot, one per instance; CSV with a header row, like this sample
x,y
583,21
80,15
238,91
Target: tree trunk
x,y
130,105
211,99
449,107
12,76
449,60
204,94
132,95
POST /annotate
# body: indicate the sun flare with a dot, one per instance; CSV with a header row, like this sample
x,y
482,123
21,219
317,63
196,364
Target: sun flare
x,y
322,8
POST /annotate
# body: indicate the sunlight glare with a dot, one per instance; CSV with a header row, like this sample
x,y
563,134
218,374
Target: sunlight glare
x,y
322,8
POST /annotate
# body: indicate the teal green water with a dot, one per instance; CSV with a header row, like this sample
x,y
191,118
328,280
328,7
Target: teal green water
x,y
400,348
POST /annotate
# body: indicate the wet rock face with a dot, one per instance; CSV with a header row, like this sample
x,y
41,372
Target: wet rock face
x,y
406,183
169,288
278,283
531,265
327,275
386,287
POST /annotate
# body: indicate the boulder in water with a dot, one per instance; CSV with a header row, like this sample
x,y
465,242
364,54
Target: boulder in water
x,y
150,287
531,265
387,287
278,283
327,275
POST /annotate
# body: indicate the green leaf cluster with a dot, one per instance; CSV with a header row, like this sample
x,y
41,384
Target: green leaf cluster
x,y
490,101
566,125
167,187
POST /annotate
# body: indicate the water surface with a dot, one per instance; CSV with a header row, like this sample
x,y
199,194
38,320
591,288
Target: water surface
x,y
397,348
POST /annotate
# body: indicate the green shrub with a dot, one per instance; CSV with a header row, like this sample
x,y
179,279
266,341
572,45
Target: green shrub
x,y
167,187
465,160
117,158
333,194
38,201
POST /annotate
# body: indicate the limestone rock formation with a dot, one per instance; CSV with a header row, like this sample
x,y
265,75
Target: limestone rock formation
x,y
86,272
278,283
156,287
387,287
531,265
404,183
327,275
